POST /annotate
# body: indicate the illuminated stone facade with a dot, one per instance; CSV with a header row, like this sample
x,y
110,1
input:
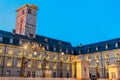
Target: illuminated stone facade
x,y
24,53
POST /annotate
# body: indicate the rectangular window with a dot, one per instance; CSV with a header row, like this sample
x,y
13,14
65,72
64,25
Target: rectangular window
x,y
96,56
0,50
106,56
28,74
10,51
11,41
19,62
9,62
117,55
20,52
54,74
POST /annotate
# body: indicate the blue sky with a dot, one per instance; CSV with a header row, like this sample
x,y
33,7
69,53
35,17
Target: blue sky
x,y
75,21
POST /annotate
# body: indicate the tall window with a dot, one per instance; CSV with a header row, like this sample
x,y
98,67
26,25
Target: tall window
x,y
87,57
11,41
10,51
20,52
9,62
54,66
18,62
116,44
96,56
106,56
39,65
29,64
0,50
107,46
118,63
117,55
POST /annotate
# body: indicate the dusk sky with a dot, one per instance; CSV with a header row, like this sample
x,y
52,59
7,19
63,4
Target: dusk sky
x,y
75,21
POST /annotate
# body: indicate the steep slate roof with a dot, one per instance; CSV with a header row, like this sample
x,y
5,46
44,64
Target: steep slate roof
x,y
40,40
85,49
91,48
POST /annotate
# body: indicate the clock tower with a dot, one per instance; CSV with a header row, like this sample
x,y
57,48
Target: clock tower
x,y
26,20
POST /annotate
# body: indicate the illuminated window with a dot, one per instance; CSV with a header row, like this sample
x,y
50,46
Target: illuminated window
x,y
40,56
107,63
68,67
54,56
96,56
29,64
10,51
106,56
30,54
67,59
117,55
47,66
55,66
39,65
9,62
18,62
11,41
1,38
0,50
20,52
61,58
47,56
87,57
118,63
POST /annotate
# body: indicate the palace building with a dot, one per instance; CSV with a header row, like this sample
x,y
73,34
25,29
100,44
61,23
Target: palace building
x,y
25,53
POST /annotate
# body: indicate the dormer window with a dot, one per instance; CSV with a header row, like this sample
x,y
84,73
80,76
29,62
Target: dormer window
x,y
60,49
11,41
66,50
47,47
97,48
80,51
1,38
116,44
72,52
89,49
20,42
54,48
107,46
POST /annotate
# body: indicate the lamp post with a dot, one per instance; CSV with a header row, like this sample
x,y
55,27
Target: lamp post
x,y
23,62
97,62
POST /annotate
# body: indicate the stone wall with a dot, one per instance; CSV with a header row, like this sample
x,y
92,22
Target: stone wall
x,y
17,78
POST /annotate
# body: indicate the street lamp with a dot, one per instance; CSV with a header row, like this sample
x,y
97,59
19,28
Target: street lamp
x,y
97,62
